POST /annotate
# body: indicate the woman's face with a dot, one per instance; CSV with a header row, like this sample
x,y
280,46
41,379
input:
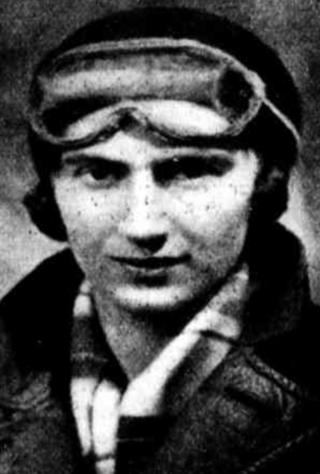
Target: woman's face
x,y
155,227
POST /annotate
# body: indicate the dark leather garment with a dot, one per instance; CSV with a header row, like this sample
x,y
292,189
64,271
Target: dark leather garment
x,y
257,413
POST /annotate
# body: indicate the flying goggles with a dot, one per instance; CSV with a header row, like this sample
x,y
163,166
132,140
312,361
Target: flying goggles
x,y
182,89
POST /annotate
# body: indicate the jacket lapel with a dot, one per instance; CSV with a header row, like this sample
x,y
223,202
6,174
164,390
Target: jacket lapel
x,y
242,412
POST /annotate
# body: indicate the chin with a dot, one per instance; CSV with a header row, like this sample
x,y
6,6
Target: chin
x,y
151,300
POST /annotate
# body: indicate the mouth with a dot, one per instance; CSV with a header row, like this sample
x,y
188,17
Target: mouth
x,y
151,263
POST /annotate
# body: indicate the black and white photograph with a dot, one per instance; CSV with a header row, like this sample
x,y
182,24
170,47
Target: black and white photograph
x,y
160,237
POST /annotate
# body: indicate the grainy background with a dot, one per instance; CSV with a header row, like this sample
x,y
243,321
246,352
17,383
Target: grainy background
x,y
28,28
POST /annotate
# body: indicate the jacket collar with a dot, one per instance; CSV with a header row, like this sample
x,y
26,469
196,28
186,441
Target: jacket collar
x,y
280,286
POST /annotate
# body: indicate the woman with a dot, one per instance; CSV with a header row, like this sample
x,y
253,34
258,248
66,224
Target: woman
x,y
176,334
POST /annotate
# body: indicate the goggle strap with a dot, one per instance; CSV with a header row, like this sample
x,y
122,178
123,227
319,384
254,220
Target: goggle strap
x,y
285,120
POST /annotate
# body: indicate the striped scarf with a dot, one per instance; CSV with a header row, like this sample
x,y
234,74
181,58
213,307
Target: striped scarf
x,y
100,395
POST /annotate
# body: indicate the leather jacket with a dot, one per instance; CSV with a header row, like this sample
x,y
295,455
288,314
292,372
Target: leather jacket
x,y
257,413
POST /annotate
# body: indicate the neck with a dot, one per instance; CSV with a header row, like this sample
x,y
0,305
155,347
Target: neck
x,y
133,338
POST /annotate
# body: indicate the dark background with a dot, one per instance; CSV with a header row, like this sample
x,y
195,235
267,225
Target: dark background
x,y
28,28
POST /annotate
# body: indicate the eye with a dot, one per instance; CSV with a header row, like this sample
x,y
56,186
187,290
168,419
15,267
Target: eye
x,y
190,168
96,172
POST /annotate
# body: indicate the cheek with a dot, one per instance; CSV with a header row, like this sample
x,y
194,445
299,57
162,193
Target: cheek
x,y
227,218
216,214
87,218
219,236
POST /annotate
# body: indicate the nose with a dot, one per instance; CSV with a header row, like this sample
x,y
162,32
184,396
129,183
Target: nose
x,y
145,223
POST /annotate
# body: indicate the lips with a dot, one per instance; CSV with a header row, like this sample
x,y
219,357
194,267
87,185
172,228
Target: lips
x,y
151,263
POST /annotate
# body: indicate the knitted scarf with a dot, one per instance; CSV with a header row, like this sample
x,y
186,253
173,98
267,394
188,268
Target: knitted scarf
x,y
100,395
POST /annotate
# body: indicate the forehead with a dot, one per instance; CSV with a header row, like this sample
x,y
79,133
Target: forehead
x,y
136,145
137,148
